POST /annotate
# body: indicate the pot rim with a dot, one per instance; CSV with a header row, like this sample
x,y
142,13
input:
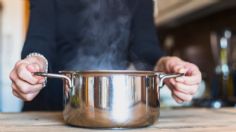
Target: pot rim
x,y
109,72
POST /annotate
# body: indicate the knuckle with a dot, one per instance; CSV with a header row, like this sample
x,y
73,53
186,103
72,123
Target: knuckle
x,y
12,76
13,86
25,89
175,92
21,74
21,66
178,86
18,63
17,83
29,97
169,63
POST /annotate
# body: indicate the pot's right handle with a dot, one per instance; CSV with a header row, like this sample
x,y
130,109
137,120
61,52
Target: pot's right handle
x,y
52,75
163,76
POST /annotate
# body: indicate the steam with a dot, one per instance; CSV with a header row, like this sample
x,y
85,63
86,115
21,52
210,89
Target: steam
x,y
103,39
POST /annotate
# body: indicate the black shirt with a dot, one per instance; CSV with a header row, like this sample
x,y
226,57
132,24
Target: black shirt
x,y
89,35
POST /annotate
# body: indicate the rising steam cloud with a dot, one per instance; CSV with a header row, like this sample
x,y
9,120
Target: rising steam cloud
x,y
103,39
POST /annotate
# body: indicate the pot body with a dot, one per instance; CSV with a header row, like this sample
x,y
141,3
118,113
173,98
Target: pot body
x,y
111,100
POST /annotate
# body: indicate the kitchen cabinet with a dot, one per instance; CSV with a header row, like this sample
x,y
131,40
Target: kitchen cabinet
x,y
177,11
182,120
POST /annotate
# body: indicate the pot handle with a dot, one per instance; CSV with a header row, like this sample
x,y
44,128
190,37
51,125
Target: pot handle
x,y
163,76
52,75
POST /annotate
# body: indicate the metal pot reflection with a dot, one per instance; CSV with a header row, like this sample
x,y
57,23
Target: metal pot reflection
x,y
111,99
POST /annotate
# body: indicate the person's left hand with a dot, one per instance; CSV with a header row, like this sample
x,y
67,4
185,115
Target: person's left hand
x,y
182,88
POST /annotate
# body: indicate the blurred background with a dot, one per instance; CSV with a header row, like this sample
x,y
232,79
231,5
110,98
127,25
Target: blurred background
x,y
202,32
13,24
199,31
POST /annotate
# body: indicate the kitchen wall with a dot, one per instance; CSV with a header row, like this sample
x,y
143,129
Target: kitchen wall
x,y
12,37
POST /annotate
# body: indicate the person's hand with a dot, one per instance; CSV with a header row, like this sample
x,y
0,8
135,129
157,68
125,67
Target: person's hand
x,y
24,84
182,88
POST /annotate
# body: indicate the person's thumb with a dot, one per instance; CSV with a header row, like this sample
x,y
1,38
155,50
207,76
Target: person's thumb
x,y
34,67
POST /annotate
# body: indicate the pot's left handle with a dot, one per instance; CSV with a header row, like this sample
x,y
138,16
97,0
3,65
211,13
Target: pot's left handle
x,y
52,75
163,76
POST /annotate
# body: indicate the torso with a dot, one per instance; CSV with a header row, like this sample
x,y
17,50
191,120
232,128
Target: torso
x,y
93,34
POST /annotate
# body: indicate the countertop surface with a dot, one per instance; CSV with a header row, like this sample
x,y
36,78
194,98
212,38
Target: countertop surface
x,y
171,120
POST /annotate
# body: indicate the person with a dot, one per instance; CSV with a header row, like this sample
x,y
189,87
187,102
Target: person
x,y
91,35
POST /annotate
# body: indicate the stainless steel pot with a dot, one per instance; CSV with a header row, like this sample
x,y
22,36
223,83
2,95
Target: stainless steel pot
x,y
111,99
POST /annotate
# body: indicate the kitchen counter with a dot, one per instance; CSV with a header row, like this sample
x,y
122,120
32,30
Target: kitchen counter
x,y
182,120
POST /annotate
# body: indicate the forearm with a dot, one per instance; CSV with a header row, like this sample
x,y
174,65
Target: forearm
x,y
144,49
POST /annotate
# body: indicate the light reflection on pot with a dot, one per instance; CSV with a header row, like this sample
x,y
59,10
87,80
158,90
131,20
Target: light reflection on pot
x,y
111,99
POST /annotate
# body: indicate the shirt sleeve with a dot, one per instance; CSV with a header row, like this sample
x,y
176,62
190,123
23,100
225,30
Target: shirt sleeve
x,y
41,32
144,49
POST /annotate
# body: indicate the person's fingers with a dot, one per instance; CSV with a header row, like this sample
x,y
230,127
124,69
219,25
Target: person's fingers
x,y
192,76
20,62
160,65
192,69
163,64
187,89
24,96
182,87
190,80
177,99
28,97
37,60
25,75
171,87
172,62
182,96
178,68
34,67
27,88
14,92
169,82
13,75
24,84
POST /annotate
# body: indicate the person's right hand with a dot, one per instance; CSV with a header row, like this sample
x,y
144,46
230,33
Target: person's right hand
x,y
24,84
